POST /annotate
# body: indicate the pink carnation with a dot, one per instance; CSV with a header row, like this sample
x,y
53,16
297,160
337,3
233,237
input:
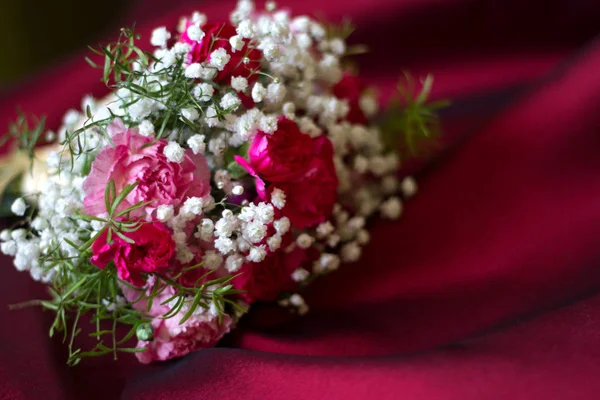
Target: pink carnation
x,y
136,158
172,339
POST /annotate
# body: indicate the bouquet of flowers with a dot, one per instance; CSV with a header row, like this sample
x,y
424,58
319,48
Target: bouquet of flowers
x,y
233,164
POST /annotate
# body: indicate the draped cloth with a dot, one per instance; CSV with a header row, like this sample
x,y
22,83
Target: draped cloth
x,y
487,288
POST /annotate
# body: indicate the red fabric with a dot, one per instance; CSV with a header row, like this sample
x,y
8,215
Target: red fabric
x,y
488,286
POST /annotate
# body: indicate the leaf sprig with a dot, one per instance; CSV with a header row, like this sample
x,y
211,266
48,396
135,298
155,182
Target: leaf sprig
x,y
412,123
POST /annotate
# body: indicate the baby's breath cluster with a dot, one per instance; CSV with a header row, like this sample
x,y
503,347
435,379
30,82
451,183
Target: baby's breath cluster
x,y
233,163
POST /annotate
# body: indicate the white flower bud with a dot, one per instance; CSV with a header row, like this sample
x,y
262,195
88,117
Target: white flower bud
x,y
196,144
392,208
300,275
160,36
258,92
304,241
19,207
174,152
257,254
164,212
193,71
195,33
237,190
409,186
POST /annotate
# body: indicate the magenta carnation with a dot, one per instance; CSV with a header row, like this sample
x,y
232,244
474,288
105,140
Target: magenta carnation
x,y
151,251
217,36
299,165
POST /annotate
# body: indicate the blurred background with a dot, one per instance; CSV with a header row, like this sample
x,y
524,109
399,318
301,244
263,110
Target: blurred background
x,y
37,33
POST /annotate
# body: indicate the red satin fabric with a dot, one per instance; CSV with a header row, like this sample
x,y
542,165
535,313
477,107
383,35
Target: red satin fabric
x,y
488,286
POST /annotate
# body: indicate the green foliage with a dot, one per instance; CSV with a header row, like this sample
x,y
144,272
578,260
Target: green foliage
x,y
411,124
82,292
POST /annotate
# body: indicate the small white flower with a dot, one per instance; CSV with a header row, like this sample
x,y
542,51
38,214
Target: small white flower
x,y
356,223
217,146
230,102
255,231
146,128
9,248
304,241
258,92
19,207
268,124
224,244
212,260
390,184
301,23
196,144
270,6
139,110
333,240
308,126
246,214
276,93
274,242
325,229
190,114
236,42
205,230
264,213
278,198
219,58
409,186
195,33
234,262
174,152
239,83
257,254
280,28
317,30
378,165
246,29
237,190
199,18
193,71
5,235
164,212
180,48
282,226
363,237
337,46
392,208
212,117
303,40
300,275
160,36
327,262
368,105
204,92
297,300
361,164
289,110
225,226
351,252
193,205
272,52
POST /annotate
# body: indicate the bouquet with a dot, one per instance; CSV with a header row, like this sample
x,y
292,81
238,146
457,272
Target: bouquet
x,y
232,164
